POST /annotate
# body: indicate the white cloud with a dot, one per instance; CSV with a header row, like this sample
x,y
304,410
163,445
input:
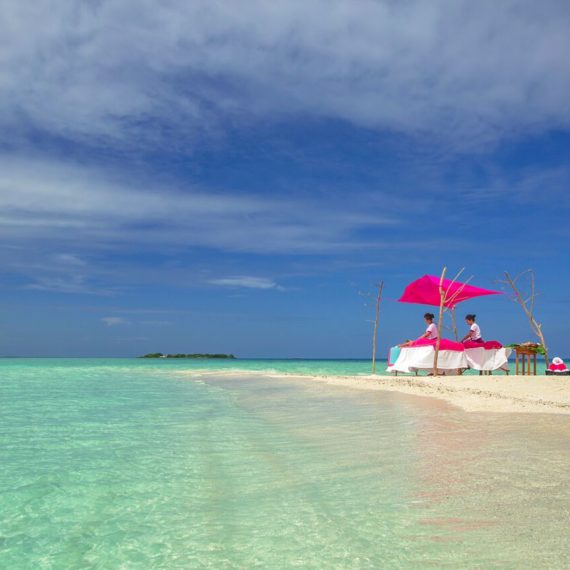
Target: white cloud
x,y
66,283
114,321
69,259
127,70
124,73
73,284
247,282
60,203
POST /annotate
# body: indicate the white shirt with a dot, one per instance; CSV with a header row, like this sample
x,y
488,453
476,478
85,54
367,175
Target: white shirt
x,y
476,331
432,330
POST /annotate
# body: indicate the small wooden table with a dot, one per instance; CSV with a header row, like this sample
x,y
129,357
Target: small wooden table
x,y
525,355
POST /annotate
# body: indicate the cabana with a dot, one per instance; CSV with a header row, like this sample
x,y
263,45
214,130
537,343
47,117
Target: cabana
x,y
453,356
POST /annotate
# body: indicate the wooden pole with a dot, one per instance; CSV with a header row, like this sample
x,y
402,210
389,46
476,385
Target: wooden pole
x,y
454,325
376,320
442,294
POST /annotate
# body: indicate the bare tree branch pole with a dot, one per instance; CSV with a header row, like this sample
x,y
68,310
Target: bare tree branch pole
x,y
446,300
453,282
532,292
376,320
527,304
454,324
440,320
451,300
377,296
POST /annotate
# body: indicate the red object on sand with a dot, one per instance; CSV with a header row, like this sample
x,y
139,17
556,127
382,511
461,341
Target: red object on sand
x,y
425,291
557,365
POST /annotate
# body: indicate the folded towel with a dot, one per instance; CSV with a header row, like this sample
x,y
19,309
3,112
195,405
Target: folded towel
x,y
393,355
445,344
489,345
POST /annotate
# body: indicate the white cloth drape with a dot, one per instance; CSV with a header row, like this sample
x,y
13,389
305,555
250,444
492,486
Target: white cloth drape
x,y
493,359
414,359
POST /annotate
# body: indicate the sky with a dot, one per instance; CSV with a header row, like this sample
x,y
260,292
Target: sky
x,y
211,177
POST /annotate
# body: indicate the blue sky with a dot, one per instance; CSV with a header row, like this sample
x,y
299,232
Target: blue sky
x,y
190,177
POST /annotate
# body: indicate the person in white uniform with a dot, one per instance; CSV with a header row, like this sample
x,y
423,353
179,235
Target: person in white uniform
x,y
474,333
431,331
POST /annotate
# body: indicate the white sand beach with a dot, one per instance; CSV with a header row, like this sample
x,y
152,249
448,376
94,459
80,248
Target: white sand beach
x,y
532,394
498,393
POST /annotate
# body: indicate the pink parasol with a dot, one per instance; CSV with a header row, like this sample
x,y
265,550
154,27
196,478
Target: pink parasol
x,y
425,291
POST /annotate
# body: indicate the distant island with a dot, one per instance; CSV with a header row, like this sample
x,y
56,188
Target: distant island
x,y
161,355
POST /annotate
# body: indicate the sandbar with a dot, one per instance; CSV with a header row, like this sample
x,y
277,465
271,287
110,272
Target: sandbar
x,y
497,393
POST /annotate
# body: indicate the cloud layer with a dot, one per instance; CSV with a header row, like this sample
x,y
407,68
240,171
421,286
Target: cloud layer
x,y
62,204
246,282
127,72
114,321
126,75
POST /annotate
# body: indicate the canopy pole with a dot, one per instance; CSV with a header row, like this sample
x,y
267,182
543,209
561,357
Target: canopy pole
x,y
454,325
442,294
376,319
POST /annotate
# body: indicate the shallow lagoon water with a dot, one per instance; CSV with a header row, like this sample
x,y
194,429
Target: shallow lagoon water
x,y
136,464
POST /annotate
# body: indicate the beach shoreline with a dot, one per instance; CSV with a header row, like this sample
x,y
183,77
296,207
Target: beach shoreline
x,y
501,394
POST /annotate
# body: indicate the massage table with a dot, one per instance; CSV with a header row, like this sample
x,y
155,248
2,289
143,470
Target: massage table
x,y
453,358
487,356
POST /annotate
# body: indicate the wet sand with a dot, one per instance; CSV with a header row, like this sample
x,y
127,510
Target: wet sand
x,y
500,393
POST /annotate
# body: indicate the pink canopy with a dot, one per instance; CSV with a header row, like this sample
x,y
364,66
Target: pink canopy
x,y
425,291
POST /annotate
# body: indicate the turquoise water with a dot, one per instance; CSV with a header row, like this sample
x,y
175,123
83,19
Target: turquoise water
x,y
139,464
318,367
282,366
303,366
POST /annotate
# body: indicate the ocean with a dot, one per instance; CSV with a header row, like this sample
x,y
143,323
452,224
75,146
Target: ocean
x,y
126,463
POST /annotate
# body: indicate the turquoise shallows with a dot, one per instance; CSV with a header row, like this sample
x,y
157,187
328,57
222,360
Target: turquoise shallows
x,y
139,464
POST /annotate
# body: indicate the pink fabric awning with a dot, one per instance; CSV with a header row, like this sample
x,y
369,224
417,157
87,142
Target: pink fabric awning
x,y
425,291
